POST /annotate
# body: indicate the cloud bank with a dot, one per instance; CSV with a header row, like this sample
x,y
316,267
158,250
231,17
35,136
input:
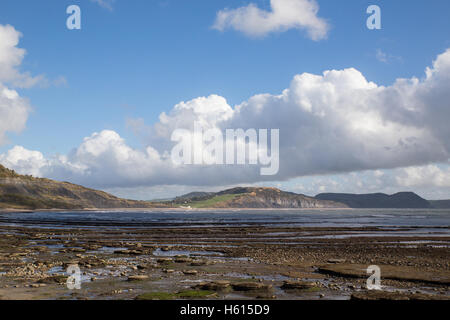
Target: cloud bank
x,y
336,122
14,110
11,58
284,15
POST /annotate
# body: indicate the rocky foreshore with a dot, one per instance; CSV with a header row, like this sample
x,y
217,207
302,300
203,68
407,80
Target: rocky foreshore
x,y
245,262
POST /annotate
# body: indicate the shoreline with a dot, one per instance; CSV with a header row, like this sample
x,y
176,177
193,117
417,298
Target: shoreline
x,y
165,209
228,261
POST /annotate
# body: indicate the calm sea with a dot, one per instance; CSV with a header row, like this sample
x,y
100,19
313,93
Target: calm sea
x,y
419,220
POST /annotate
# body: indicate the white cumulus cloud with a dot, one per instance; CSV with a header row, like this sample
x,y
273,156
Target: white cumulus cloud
x,y
11,58
284,15
424,176
14,110
23,160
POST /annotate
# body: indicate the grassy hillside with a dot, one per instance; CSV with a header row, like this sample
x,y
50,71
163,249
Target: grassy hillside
x,y
7,173
214,201
26,192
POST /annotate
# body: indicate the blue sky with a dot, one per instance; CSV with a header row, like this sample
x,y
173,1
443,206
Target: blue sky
x,y
137,59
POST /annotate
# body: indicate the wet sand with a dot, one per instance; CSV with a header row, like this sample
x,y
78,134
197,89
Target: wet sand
x,y
222,262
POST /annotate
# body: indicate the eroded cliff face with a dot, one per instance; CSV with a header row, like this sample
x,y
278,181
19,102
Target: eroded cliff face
x,y
261,201
271,198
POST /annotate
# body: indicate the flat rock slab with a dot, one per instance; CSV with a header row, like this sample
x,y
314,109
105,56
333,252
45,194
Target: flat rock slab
x,y
250,286
190,272
137,278
168,270
53,279
182,260
302,285
129,252
214,285
336,261
400,273
384,295
198,263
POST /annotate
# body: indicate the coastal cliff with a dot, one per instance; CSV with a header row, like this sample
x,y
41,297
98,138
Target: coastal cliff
x,y
248,197
27,192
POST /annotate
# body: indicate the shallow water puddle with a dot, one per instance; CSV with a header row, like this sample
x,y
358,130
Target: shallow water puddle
x,y
172,253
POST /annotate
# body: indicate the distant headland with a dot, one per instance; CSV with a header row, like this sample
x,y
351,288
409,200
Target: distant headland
x,y
23,192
